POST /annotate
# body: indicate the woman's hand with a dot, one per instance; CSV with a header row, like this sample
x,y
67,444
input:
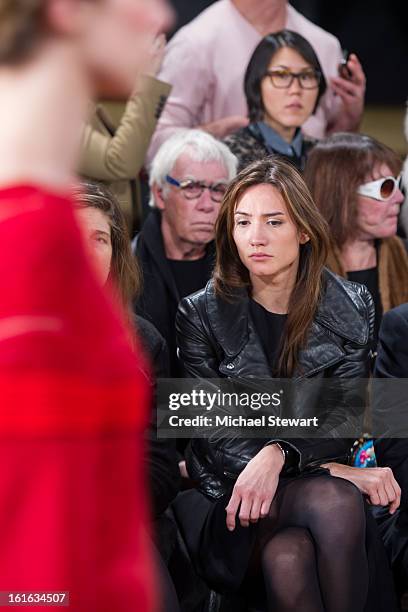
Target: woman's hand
x,y
255,487
378,484
183,469
351,92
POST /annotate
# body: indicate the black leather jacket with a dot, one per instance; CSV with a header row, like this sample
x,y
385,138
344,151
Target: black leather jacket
x,y
218,339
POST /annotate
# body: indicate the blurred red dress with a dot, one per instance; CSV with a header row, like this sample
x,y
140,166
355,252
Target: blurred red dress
x,y
72,414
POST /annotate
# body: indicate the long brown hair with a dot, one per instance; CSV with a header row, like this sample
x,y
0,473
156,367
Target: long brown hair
x,y
125,274
230,272
334,170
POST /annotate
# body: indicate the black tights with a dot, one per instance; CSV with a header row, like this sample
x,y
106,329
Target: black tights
x,y
312,547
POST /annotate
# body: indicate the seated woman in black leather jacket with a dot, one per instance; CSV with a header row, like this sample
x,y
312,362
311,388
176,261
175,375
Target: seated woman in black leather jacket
x,y
272,309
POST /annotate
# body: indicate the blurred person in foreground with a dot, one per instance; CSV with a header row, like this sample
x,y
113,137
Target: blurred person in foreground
x,y
74,399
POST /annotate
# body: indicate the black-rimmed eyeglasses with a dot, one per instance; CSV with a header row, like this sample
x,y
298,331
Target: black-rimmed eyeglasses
x,y
192,190
283,79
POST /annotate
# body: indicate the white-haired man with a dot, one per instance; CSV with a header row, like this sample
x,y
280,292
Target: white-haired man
x,y
175,249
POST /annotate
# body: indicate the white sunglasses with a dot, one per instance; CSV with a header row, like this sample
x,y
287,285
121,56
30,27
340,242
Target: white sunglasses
x,y
382,189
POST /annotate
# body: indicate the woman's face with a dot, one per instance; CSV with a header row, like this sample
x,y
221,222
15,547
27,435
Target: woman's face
x,y
96,231
115,38
266,238
290,107
377,218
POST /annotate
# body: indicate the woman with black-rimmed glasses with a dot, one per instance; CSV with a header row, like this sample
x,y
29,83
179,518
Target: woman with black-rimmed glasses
x,y
283,85
355,181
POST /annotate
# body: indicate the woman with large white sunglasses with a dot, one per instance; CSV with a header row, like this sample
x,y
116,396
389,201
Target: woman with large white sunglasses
x,y
355,181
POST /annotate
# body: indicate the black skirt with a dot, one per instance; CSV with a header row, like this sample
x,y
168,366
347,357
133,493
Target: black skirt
x,y
221,557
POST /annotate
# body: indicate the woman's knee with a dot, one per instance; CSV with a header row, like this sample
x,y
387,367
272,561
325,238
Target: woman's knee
x,y
343,495
331,493
288,564
288,551
338,510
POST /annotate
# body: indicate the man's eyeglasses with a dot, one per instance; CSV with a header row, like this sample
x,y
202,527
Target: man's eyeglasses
x,y
192,190
382,189
283,79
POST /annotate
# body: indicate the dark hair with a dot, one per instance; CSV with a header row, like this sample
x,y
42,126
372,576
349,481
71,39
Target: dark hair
x,y
260,60
125,273
21,28
231,273
334,170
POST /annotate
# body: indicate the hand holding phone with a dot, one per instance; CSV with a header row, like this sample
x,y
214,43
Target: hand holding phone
x,y
343,69
350,87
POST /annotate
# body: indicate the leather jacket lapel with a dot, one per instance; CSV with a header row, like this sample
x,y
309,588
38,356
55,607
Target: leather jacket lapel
x,y
337,317
341,313
228,320
321,352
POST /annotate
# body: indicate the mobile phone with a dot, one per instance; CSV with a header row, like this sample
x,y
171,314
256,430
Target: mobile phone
x,y
343,69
